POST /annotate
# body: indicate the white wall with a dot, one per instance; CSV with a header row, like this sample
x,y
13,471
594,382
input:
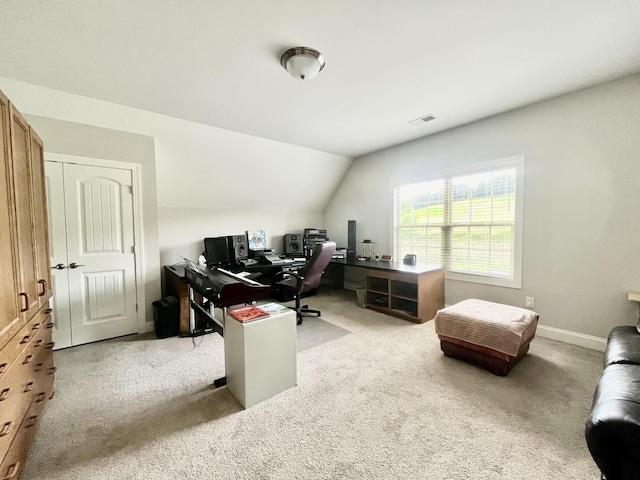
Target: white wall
x,y
208,181
582,194
201,223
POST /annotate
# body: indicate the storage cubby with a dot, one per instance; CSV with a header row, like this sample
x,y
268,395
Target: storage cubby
x,y
404,289
377,299
376,284
414,296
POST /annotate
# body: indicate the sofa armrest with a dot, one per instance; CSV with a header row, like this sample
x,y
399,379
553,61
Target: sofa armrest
x,y
623,346
613,428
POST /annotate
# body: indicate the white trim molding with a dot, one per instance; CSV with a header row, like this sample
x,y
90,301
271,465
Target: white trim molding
x,y
572,338
136,175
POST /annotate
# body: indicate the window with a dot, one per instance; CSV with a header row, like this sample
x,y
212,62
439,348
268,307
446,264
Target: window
x,y
469,222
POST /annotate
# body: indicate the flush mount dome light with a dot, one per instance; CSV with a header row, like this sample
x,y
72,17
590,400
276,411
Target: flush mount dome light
x,y
302,63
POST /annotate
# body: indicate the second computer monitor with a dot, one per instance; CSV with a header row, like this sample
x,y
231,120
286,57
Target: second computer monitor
x,y
216,251
257,240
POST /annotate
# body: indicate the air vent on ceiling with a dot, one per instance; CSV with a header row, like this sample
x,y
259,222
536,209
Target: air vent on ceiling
x,y
421,120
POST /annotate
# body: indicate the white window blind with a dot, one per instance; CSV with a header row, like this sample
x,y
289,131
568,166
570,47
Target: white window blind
x,y
466,223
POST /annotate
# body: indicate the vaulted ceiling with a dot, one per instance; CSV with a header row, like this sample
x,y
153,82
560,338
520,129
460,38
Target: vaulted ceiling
x,y
387,62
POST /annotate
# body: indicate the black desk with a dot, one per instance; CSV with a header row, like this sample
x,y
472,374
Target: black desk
x,y
398,267
175,283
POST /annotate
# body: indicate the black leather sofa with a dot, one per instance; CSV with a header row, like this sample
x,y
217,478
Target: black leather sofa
x,y
613,428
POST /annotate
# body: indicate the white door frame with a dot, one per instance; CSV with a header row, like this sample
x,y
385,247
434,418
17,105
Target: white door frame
x,y
136,176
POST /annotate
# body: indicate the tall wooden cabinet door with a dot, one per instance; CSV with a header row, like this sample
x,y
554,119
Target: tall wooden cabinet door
x,y
22,186
40,225
9,306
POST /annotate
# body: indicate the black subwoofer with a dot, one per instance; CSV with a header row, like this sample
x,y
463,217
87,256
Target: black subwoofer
x,y
351,239
293,244
238,248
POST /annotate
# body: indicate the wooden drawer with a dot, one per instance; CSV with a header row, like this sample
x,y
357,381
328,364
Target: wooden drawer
x,y
28,376
13,462
41,350
16,346
34,392
15,399
23,339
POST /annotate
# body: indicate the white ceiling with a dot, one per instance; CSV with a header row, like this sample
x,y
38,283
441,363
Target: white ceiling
x,y
387,62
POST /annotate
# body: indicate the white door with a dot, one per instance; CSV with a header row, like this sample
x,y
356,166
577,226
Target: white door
x,y
92,252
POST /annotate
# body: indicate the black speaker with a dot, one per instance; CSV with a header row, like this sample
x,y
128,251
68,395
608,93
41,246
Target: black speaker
x,y
351,239
238,249
293,244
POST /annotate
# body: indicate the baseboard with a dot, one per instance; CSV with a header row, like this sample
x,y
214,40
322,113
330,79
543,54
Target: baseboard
x,y
573,338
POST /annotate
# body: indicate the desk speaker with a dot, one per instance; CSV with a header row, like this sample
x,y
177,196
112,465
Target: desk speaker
x,y
238,249
293,244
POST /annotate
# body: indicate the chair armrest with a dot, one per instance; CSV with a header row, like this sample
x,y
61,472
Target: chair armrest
x,y
282,273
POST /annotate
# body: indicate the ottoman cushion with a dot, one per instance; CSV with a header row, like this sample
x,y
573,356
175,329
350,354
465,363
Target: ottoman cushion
x,y
502,328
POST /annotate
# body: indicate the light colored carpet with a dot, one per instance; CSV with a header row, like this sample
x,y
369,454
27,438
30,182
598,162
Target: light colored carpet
x,y
381,402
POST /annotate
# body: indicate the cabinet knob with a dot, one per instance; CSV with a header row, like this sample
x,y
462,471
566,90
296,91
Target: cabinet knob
x,y
31,421
12,471
26,301
6,428
43,284
4,394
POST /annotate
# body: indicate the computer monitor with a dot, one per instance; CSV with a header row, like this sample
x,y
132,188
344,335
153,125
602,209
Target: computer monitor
x,y
257,240
216,251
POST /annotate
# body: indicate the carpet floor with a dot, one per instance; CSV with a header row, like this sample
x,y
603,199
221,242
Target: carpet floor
x,y
376,399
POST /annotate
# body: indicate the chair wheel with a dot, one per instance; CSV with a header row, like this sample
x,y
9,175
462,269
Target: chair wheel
x,y
299,322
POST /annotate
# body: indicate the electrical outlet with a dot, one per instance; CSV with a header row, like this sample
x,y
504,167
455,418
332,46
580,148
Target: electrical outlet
x,y
529,302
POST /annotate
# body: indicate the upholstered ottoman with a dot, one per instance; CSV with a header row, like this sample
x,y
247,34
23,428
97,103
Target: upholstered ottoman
x,y
487,334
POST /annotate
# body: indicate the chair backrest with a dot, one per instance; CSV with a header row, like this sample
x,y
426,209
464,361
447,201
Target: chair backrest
x,y
312,271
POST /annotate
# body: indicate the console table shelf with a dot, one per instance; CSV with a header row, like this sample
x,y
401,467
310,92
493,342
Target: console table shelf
x,y
411,296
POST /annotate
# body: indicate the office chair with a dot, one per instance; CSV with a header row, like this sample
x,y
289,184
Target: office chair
x,y
305,281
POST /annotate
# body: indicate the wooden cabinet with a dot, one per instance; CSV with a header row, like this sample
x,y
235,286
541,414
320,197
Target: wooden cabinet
x,y
26,360
22,187
9,305
40,224
412,296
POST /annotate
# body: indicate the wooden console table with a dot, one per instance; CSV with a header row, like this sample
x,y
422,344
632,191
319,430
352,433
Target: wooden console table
x,y
412,292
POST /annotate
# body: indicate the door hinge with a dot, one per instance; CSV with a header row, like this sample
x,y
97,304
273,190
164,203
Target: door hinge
x,y
136,307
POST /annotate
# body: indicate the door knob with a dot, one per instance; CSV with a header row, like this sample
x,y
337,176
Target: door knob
x,y
59,266
75,265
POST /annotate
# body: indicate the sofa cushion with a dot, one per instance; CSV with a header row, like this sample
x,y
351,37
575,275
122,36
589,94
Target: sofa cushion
x,y
623,346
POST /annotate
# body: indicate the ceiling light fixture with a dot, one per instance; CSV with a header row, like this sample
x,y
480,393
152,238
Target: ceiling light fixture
x,y
302,63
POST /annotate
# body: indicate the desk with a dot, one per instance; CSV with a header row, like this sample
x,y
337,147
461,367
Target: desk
x,y
176,285
411,292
